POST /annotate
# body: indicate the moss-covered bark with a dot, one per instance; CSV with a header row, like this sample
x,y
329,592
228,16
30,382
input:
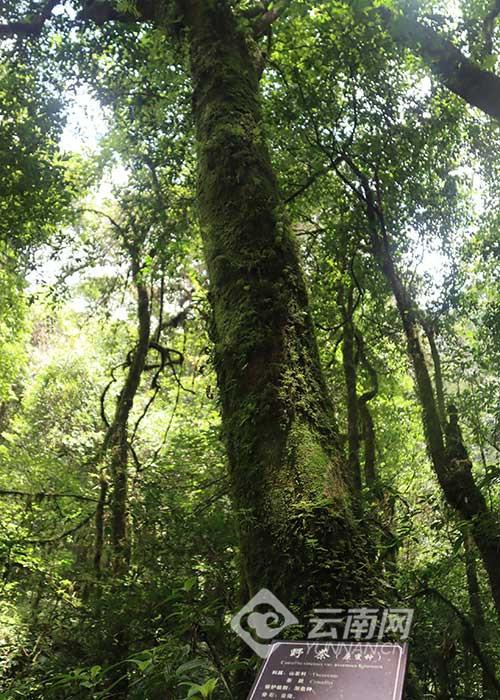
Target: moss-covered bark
x,y
445,444
298,533
116,442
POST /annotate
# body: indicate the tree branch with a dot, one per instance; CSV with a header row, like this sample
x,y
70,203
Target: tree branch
x,y
311,180
103,11
30,27
41,495
63,535
477,86
269,17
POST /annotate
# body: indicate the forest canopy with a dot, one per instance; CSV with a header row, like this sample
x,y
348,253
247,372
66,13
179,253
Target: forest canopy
x,y
249,336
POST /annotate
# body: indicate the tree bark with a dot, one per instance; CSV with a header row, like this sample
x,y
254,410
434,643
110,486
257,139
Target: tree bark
x,y
346,303
479,87
447,452
451,463
290,484
116,440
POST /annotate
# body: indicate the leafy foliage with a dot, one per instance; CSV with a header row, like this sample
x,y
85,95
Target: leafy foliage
x,y
347,110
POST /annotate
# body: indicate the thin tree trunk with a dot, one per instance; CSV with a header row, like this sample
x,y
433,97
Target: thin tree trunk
x,y
346,303
441,664
451,464
116,440
99,523
470,636
473,589
447,452
438,373
384,502
369,466
116,447
490,690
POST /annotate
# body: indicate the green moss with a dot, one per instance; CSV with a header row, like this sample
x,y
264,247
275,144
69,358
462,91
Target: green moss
x,y
298,536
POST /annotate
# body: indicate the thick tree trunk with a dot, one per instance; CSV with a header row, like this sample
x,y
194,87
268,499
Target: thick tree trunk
x,y
298,534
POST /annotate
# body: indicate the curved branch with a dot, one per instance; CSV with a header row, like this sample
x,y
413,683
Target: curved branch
x,y
63,535
479,87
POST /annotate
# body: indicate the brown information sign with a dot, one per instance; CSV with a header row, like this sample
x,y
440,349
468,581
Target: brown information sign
x,y
331,671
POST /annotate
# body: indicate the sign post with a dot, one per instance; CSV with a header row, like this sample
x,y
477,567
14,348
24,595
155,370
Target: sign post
x,y
332,671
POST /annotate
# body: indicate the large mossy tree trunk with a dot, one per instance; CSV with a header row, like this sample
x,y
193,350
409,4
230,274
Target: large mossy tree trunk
x,y
290,483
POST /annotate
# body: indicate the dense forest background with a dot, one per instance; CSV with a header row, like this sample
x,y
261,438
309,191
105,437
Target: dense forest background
x,y
181,422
